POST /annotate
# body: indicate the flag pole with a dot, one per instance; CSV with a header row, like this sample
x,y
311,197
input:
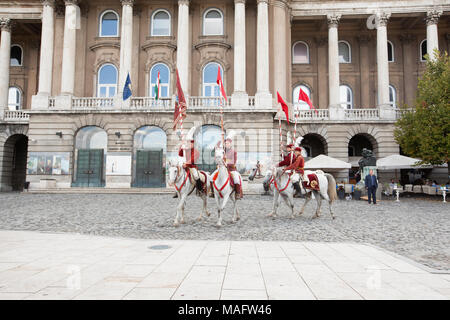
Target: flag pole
x,y
281,136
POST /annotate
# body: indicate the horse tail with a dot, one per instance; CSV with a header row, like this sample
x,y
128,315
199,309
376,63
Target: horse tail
x,y
331,187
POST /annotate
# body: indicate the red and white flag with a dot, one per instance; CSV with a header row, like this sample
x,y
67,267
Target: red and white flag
x,y
220,83
304,97
284,106
180,105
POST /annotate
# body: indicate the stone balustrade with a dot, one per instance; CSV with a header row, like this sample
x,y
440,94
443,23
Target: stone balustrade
x,y
16,116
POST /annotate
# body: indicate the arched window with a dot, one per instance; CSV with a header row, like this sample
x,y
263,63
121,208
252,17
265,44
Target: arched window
x,y
91,137
346,96
109,24
160,23
392,96
423,50
213,23
164,80
107,81
302,105
206,138
300,52
390,48
150,137
210,87
345,52
14,98
16,55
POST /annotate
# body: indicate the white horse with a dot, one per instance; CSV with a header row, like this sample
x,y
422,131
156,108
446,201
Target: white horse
x,y
180,179
327,186
282,187
223,191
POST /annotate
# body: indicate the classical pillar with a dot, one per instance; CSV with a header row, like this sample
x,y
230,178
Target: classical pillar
x,y
126,44
382,59
69,47
280,47
46,59
333,60
5,56
183,45
432,32
239,46
263,95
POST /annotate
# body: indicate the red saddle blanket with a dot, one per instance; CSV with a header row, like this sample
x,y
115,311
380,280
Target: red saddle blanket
x,y
313,182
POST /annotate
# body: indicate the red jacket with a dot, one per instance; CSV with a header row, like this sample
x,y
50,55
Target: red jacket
x,y
287,160
231,158
298,165
191,156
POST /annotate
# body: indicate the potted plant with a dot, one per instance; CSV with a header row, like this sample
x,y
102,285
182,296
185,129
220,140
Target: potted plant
x,y
359,187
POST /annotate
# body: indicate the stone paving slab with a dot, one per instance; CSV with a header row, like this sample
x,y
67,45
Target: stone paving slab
x,y
36,265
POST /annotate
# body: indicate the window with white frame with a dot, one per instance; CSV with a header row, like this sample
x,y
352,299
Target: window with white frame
x,y
109,24
16,55
346,95
160,23
210,86
14,99
107,81
390,48
213,23
164,80
300,52
301,105
423,50
392,96
345,52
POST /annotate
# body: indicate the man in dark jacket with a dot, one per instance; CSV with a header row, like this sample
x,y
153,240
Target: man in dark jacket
x,y
371,183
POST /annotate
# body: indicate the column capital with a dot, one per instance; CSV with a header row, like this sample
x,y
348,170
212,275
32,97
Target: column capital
x,y
183,2
5,24
333,20
433,16
382,18
127,2
49,3
71,2
239,1
407,38
262,1
280,3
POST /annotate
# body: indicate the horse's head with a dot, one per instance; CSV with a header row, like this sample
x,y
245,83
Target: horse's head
x,y
267,179
252,175
174,171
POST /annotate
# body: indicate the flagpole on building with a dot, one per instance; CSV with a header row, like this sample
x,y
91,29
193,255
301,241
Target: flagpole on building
x,y
281,135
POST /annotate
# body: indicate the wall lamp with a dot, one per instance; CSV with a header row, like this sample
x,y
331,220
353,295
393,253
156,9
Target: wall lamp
x,y
117,134
59,134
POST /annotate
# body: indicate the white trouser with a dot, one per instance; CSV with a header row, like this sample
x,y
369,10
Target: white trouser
x,y
296,178
194,173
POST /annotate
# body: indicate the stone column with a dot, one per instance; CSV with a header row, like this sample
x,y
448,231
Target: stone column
x,y
5,57
239,48
333,60
280,47
432,32
263,96
126,45
69,47
382,59
183,45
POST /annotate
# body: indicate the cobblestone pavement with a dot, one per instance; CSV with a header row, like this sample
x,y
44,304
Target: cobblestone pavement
x,y
417,229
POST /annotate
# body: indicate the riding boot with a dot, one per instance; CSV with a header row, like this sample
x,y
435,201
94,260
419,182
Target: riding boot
x,y
175,195
298,190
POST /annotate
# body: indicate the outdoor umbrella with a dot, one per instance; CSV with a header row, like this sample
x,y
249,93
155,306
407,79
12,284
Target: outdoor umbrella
x,y
325,162
397,161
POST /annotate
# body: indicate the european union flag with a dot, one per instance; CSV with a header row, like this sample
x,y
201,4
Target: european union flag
x,y
127,88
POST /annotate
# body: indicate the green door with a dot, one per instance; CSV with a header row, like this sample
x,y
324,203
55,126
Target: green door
x,y
89,168
149,169
207,160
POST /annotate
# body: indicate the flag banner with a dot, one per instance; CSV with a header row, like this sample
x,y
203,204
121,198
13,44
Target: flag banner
x,y
180,104
127,88
220,83
157,88
304,97
284,106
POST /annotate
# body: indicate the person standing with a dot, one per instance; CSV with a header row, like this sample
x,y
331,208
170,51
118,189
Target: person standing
x,y
371,183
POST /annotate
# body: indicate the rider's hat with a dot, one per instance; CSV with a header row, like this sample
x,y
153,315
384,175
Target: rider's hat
x,y
289,145
298,149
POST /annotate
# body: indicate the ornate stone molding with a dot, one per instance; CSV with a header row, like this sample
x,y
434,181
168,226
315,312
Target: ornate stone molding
x,y
50,3
127,2
262,1
407,38
183,2
333,20
239,1
5,24
280,3
382,19
433,17
71,2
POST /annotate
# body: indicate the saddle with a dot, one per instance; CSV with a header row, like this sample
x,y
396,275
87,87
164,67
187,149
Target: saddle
x,y
313,182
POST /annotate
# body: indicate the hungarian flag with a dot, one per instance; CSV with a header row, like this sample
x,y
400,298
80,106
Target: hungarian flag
x,y
157,88
284,106
180,105
304,97
220,83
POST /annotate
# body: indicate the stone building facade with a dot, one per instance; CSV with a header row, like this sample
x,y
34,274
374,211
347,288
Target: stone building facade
x,y
63,65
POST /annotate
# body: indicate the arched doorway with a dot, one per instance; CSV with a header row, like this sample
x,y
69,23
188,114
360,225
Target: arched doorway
x,y
14,162
90,161
149,153
360,141
206,138
314,144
